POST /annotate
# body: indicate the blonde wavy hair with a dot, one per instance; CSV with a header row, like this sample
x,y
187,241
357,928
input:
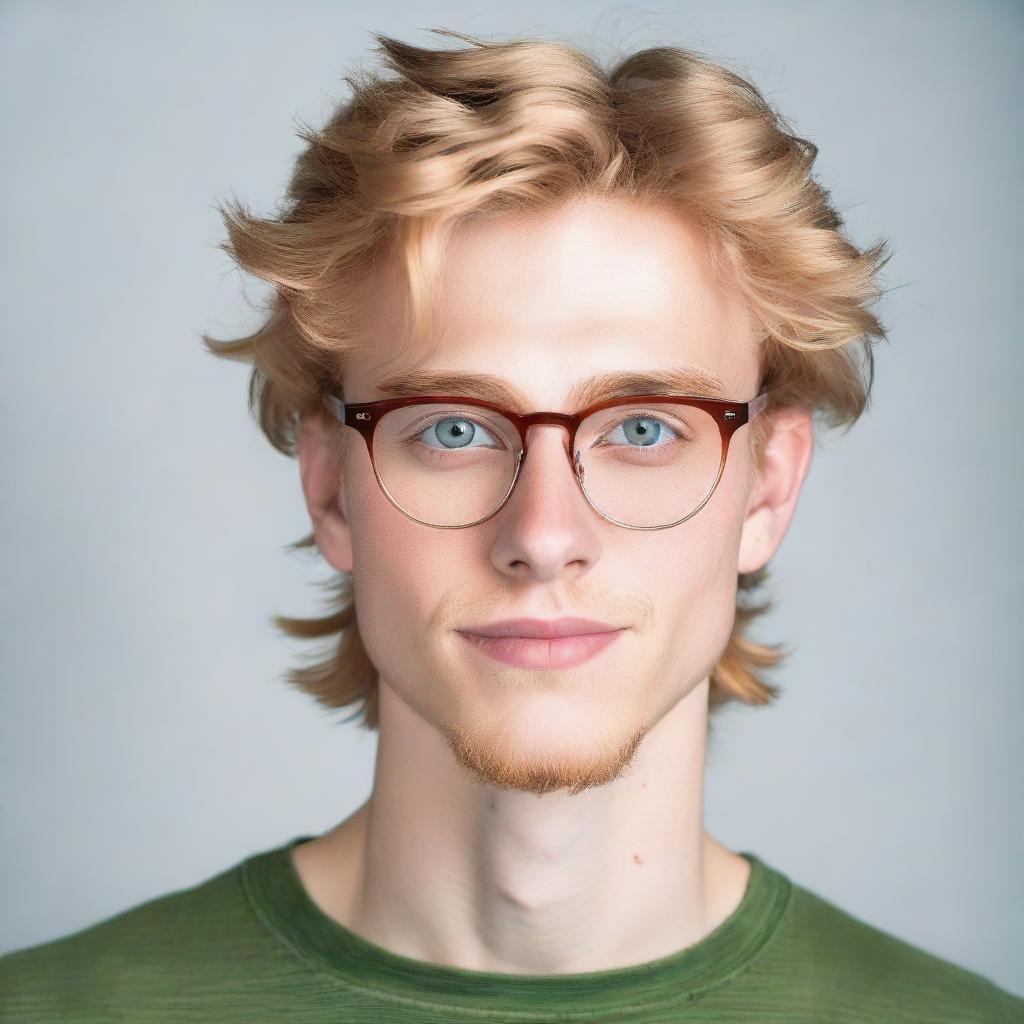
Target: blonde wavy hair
x,y
528,124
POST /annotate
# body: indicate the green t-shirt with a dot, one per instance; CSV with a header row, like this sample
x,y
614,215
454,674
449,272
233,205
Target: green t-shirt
x,y
249,945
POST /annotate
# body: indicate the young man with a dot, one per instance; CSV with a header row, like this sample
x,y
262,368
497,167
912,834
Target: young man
x,y
547,478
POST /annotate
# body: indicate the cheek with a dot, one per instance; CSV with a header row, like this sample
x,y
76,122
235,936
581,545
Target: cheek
x,y
400,574
691,583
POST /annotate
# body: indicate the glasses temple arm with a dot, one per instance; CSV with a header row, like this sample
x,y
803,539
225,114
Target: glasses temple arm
x,y
337,407
755,405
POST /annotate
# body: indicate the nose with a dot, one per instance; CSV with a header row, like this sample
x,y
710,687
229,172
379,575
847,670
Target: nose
x,y
543,443
545,527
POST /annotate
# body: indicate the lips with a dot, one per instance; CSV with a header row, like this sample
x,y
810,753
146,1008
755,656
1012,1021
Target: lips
x,y
541,629
562,652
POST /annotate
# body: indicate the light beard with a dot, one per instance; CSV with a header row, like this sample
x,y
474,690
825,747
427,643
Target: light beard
x,y
484,752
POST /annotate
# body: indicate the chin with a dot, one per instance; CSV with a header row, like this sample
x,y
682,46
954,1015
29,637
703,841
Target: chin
x,y
537,747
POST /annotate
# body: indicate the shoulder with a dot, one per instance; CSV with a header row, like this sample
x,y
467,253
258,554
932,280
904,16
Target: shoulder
x,y
136,958
843,961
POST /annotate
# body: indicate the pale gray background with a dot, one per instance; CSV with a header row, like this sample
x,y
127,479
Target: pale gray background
x,y
147,738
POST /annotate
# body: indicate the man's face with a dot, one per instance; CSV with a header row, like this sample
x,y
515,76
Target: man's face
x,y
547,301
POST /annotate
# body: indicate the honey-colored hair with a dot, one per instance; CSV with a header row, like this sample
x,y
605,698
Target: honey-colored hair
x,y
495,127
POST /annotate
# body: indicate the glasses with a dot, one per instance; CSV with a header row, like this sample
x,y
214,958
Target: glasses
x,y
646,462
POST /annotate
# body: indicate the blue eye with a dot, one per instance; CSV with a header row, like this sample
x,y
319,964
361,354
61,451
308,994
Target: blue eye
x,y
455,432
647,433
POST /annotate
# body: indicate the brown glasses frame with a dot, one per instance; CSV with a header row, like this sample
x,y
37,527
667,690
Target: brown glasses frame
x,y
729,415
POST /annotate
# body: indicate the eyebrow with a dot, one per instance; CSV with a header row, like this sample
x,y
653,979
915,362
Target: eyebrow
x,y
676,380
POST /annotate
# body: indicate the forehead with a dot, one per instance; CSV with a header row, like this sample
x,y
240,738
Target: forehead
x,y
534,306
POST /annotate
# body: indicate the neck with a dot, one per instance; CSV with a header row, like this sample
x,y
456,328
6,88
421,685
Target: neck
x,y
441,868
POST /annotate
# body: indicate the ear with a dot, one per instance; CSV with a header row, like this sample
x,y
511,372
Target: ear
x,y
777,482
321,471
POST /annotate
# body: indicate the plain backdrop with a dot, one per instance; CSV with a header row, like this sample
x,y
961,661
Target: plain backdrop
x,y
148,737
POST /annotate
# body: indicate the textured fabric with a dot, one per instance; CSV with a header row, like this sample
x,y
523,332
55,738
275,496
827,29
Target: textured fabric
x,y
249,945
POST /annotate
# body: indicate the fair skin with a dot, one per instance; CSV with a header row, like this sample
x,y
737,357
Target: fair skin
x,y
538,821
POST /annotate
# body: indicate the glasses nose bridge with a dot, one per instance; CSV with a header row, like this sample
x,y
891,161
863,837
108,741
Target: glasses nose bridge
x,y
558,419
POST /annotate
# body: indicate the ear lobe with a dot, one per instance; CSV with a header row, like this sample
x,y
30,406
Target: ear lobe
x,y
320,471
773,496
